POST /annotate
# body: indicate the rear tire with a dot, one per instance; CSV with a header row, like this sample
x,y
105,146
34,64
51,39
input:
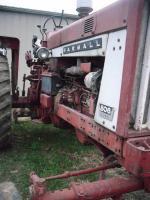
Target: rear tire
x,y
5,103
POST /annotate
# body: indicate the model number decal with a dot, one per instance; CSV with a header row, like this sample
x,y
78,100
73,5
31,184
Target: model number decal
x,y
106,112
83,46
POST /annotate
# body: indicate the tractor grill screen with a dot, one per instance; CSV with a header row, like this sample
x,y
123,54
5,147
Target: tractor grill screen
x,y
88,26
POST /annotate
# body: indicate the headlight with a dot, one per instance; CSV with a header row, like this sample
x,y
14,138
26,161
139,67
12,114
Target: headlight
x,y
42,53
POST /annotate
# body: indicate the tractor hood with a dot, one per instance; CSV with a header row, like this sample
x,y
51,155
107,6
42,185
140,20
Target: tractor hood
x,y
112,17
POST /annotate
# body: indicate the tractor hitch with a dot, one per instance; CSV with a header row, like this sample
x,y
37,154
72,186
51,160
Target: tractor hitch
x,y
95,190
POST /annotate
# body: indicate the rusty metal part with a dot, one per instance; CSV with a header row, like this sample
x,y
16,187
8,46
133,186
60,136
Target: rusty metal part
x,y
37,187
82,172
82,138
137,158
88,126
94,191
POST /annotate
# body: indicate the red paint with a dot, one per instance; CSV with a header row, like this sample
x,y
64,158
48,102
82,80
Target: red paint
x,y
137,149
103,22
133,30
85,67
82,137
94,191
46,101
82,172
88,126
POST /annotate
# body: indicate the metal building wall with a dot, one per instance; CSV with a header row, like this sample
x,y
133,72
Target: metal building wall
x,y
23,26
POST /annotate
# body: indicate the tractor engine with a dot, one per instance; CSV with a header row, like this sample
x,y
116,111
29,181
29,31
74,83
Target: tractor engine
x,y
80,87
72,82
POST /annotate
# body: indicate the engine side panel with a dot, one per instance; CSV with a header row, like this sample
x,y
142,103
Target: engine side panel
x,y
109,95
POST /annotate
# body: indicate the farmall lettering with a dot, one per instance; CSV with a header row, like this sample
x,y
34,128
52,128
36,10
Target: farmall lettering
x,y
83,46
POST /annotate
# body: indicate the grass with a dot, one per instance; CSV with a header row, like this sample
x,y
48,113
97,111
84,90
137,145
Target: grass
x,y
48,151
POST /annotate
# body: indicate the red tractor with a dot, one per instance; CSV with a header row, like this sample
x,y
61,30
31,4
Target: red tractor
x,y
94,75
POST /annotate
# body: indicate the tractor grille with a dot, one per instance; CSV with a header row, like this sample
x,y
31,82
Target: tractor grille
x,y
88,25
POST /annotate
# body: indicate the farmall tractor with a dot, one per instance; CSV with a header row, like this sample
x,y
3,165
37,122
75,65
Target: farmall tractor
x,y
94,75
